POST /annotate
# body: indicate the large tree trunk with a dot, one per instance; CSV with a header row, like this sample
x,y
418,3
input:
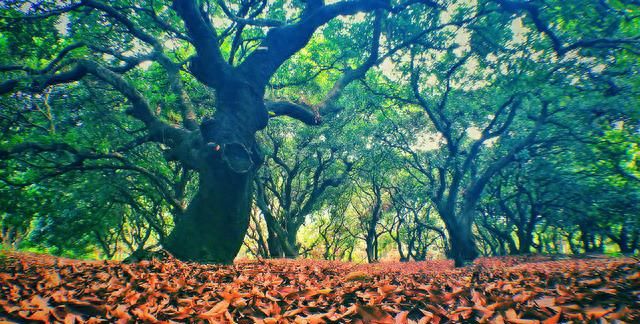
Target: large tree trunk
x,y
292,242
463,248
370,249
281,243
525,238
226,157
273,242
215,223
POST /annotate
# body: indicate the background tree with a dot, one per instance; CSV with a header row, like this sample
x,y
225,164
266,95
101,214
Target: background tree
x,y
298,173
414,227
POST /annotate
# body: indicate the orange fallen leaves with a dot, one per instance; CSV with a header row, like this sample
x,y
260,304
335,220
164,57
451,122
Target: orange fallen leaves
x,y
494,290
357,276
219,309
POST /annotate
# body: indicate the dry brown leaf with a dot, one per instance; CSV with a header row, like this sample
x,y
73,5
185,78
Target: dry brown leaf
x,y
373,313
216,310
357,276
594,313
555,319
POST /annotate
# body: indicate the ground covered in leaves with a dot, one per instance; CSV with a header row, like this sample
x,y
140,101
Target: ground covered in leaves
x,y
36,288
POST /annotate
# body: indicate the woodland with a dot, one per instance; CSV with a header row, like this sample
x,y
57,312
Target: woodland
x,y
377,161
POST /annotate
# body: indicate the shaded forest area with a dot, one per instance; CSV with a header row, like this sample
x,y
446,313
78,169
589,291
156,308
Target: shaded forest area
x,y
341,130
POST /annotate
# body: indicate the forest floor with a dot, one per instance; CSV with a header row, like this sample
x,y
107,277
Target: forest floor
x,y
533,289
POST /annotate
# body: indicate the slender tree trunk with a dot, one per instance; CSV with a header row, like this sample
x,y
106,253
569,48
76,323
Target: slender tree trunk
x,y
350,255
376,250
635,242
624,247
624,241
280,240
542,243
263,249
486,242
327,251
502,250
598,243
398,241
586,240
371,236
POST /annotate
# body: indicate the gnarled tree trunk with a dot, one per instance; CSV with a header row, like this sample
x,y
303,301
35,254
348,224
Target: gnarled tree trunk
x,y
216,221
226,157
461,240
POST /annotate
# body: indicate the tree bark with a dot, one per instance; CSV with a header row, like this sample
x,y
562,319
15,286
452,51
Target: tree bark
x,y
292,241
226,157
275,249
461,240
525,238
215,223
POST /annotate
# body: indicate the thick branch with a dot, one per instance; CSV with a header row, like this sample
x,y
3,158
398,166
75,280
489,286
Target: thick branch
x,y
172,68
533,11
158,130
40,80
245,21
301,112
209,66
478,185
50,13
131,27
352,75
282,42
79,157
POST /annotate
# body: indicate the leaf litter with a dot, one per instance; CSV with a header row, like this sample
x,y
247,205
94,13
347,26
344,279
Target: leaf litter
x,y
528,289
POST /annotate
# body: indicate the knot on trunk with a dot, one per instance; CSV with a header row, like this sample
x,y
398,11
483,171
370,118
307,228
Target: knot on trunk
x,y
238,157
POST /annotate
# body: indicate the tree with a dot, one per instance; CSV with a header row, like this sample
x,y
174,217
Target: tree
x,y
458,173
337,243
170,95
520,199
297,175
490,101
222,150
414,225
371,202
